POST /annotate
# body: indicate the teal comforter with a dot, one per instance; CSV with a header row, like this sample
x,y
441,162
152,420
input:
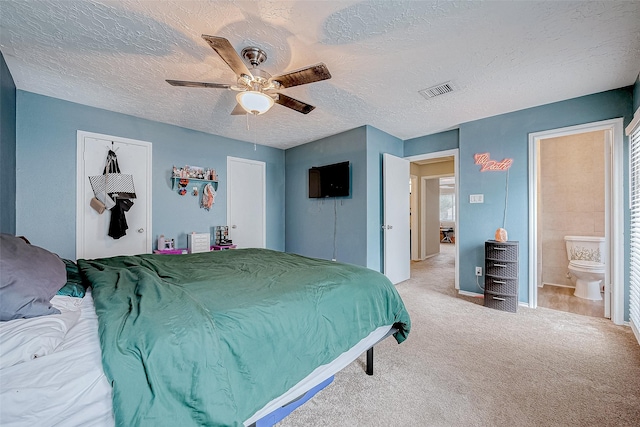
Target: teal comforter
x,y
209,339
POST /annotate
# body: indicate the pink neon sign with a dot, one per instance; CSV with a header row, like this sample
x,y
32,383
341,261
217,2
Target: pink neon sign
x,y
487,164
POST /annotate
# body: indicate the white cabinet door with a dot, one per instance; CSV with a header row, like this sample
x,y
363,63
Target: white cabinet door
x,y
395,188
134,157
246,202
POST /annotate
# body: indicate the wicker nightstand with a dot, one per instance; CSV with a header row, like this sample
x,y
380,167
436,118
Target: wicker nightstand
x,y
501,275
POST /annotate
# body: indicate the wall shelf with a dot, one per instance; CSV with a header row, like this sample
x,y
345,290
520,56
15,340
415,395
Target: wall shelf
x,y
175,179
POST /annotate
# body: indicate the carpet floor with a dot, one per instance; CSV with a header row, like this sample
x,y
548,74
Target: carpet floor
x,y
467,365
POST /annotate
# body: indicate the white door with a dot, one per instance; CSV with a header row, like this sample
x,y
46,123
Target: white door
x,y
134,157
395,187
246,202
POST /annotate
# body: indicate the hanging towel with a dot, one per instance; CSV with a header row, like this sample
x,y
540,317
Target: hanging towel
x,y
208,196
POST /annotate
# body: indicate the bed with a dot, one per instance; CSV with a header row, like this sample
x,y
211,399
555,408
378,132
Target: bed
x,y
219,338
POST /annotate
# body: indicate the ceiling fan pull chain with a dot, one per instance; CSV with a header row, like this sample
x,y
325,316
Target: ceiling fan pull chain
x,y
255,138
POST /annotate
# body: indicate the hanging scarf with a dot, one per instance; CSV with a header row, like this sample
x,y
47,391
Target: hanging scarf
x,y
208,196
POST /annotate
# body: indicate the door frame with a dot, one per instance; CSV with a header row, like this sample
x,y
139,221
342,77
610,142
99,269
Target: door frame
x,y
82,182
614,212
456,173
415,249
423,214
263,167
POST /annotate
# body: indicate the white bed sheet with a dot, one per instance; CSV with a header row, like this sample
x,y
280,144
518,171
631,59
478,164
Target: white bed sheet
x,y
321,373
65,388
69,388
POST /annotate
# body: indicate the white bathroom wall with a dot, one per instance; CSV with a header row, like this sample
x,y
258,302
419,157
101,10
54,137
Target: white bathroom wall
x,y
572,195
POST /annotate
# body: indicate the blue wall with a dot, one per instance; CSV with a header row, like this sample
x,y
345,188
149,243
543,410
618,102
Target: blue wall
x,y
442,141
310,222
46,169
7,150
507,136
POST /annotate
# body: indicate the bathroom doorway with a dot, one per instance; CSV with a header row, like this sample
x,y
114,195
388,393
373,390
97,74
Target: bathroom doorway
x,y
571,202
575,190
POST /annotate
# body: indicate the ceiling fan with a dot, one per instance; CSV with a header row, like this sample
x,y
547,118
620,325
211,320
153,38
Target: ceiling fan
x,y
257,89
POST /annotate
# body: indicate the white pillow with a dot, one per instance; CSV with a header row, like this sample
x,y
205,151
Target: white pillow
x,y
22,340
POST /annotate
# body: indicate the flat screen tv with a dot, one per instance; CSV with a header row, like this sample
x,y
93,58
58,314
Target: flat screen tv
x,y
329,181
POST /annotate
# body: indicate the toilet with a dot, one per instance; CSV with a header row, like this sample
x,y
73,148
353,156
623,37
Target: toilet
x,y
586,266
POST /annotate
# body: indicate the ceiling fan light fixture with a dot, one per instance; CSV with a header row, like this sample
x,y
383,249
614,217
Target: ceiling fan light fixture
x,y
257,87
254,102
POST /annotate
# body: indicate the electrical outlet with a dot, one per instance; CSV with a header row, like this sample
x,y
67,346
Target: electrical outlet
x,y
478,271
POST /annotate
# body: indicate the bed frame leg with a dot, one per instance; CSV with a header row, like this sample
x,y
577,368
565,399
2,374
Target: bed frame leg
x,y
370,361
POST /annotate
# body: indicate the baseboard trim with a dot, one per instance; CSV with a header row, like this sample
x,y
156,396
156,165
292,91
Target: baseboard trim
x,y
470,294
635,330
558,285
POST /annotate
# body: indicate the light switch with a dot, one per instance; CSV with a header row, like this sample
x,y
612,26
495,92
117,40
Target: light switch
x,y
476,198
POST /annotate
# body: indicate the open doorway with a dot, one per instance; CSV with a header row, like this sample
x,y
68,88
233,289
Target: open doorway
x,y
571,227
606,223
434,195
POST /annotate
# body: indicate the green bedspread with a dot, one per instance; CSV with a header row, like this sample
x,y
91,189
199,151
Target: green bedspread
x,y
208,339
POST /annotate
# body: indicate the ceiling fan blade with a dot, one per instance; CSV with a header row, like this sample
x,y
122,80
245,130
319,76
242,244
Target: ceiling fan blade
x,y
314,73
238,111
294,104
198,84
228,54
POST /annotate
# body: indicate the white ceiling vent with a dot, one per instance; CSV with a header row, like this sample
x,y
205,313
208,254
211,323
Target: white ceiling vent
x,y
437,90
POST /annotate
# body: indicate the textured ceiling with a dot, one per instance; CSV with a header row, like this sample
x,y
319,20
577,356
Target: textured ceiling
x,y
500,56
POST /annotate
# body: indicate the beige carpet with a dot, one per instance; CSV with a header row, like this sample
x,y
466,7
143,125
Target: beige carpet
x,y
467,365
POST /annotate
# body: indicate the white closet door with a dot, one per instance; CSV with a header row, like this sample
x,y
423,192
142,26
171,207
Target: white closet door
x,y
134,157
246,202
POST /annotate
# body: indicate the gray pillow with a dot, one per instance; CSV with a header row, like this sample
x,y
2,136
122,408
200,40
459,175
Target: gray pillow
x,y
29,277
